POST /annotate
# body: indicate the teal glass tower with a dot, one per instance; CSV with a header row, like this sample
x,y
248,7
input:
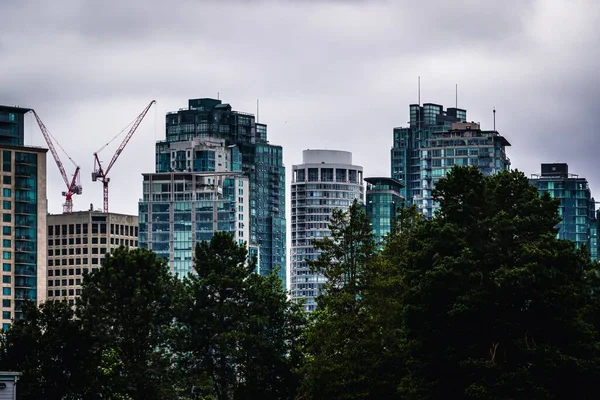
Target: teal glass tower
x,y
24,209
383,199
434,142
12,125
577,206
209,137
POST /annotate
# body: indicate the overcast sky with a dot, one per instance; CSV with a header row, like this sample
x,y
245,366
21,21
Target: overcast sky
x,y
329,74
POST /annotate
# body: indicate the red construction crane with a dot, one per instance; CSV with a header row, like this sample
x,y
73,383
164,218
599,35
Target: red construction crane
x,y
102,174
73,185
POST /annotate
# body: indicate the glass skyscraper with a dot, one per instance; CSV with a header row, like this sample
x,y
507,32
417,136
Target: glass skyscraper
x,y
227,150
383,199
24,211
326,180
435,141
577,206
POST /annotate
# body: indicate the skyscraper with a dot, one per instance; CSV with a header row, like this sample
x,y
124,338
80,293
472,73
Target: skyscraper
x,y
577,206
227,150
437,140
179,209
383,200
12,125
24,210
326,180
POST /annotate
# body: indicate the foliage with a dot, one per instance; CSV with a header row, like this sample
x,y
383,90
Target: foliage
x,y
343,347
237,330
127,306
493,302
50,349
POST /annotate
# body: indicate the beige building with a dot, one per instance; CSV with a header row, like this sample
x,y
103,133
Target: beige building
x,y
78,242
23,230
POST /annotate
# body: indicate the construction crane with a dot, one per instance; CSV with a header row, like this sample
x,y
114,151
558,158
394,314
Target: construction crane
x,y
100,173
73,185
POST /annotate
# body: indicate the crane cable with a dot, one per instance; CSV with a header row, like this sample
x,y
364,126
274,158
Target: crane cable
x,y
117,135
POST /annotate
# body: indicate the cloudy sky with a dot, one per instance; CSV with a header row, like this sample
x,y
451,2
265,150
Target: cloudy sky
x,y
329,74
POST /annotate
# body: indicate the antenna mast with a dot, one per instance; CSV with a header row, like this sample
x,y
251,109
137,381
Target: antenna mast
x,y
456,96
494,119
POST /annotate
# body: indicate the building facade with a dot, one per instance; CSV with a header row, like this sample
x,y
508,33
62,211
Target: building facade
x,y
180,209
437,140
12,125
236,135
577,206
78,242
383,199
24,210
409,142
326,180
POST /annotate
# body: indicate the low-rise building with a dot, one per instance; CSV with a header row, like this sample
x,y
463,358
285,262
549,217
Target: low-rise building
x,y
78,242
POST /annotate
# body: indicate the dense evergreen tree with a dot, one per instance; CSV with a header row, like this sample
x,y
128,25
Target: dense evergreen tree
x,y
493,302
237,331
343,346
52,352
127,308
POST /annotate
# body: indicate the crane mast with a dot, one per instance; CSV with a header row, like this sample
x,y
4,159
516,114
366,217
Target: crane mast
x,y
73,185
101,173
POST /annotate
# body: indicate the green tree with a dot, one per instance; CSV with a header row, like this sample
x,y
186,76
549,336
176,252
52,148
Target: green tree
x,y
127,308
494,305
237,331
51,350
344,349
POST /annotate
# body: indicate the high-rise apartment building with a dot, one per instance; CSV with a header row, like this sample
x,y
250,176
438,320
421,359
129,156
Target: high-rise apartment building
x,y
23,216
326,180
577,206
12,125
78,242
383,199
180,209
222,161
437,140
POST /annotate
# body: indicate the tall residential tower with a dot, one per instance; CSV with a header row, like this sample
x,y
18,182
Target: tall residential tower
x,y
437,140
577,206
326,180
24,210
215,158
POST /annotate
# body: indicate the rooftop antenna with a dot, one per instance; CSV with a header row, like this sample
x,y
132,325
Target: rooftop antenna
x,y
218,96
494,119
256,110
419,91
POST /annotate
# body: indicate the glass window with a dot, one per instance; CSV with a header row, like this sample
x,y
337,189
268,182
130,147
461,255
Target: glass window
x,y
6,179
6,217
6,255
6,192
5,278
6,267
6,205
6,291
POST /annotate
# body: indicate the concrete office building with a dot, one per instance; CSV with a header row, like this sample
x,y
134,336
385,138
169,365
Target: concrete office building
x,y
78,242
326,180
577,206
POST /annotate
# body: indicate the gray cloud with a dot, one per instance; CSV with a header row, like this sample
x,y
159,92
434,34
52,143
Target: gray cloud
x,y
332,74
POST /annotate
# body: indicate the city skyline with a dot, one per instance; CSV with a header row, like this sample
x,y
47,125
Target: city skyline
x,y
320,85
